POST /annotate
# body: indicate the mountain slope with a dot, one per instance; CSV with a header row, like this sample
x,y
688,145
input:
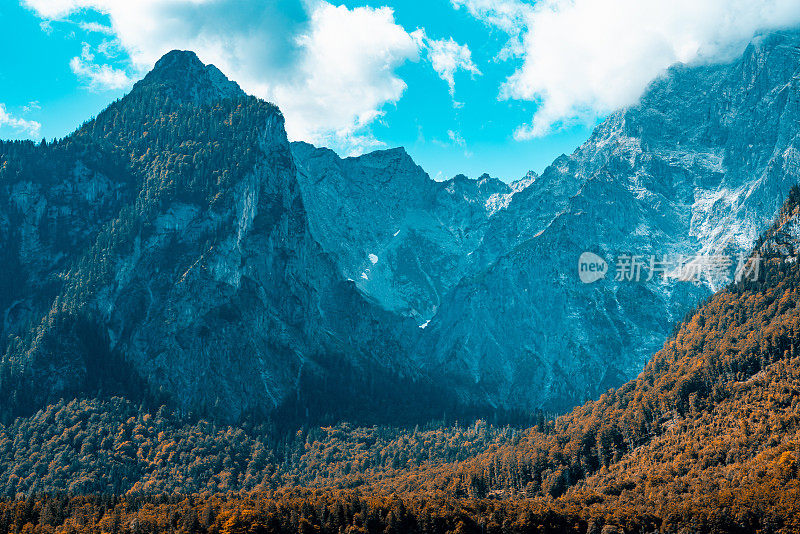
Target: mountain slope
x,y
404,239
199,282
699,166
706,439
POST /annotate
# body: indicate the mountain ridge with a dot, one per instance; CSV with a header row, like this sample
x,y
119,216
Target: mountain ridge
x,y
204,287
667,176
224,246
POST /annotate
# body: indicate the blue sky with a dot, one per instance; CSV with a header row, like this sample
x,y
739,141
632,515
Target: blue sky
x,y
467,86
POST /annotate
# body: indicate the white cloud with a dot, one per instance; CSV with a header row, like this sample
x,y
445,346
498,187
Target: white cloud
x,y
456,138
345,75
582,59
331,69
98,77
447,57
54,9
96,28
509,16
19,126
33,105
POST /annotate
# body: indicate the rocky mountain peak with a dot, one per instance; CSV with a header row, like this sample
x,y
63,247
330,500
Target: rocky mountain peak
x,y
396,158
276,262
476,190
186,78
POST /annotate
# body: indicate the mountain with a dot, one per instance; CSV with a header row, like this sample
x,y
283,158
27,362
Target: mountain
x,y
403,238
705,439
179,249
179,318
700,165
163,252
492,275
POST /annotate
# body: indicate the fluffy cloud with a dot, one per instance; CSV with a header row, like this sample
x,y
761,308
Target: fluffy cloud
x,y
98,76
332,70
447,57
345,74
19,126
584,58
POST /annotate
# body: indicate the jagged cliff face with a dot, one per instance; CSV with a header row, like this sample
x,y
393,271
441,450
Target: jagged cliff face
x,y
48,213
193,268
702,164
404,239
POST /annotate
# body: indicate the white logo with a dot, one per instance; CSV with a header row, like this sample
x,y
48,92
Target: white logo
x,y
591,267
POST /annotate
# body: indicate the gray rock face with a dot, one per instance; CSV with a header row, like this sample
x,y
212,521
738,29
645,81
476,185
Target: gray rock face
x,y
48,216
234,318
701,165
404,239
220,300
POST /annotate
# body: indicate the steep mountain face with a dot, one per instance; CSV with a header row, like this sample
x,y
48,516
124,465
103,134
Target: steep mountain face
x,y
403,238
53,200
180,247
700,165
189,274
705,439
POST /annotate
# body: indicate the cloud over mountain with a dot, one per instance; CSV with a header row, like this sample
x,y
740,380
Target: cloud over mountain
x,y
332,69
18,125
581,59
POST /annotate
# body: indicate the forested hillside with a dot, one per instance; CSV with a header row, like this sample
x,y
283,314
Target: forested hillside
x,y
707,439
162,253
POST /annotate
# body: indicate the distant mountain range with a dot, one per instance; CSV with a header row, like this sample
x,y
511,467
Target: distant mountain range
x,y
179,249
